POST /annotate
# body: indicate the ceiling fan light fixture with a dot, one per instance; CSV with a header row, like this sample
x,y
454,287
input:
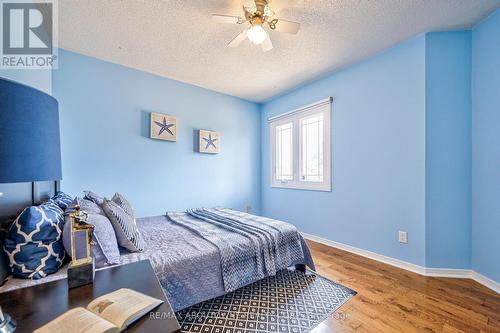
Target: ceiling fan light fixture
x,y
256,34
258,15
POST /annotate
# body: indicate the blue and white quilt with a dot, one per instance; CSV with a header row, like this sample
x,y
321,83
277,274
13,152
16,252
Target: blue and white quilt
x,y
251,247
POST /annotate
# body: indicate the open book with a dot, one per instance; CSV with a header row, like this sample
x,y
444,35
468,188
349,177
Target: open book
x,y
110,313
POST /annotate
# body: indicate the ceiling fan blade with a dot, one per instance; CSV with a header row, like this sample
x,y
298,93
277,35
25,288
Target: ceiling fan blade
x,y
227,19
288,27
248,3
238,39
267,45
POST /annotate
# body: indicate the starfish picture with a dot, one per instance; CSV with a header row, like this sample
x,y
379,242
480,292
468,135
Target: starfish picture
x,y
210,141
164,127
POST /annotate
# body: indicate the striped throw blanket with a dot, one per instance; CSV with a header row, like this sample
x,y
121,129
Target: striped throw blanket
x,y
251,247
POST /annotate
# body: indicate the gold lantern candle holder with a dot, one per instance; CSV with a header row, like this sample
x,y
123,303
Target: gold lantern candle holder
x,y
81,271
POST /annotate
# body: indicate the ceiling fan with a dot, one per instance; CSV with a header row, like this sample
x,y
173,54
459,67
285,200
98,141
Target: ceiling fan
x,y
258,14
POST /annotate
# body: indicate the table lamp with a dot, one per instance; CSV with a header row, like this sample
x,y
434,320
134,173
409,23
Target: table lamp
x,y
7,325
30,149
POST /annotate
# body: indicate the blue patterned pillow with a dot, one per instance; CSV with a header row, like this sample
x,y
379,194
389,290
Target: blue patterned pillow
x,y
62,199
33,243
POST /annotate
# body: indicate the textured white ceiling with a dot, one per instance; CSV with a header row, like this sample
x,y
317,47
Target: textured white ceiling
x,y
177,38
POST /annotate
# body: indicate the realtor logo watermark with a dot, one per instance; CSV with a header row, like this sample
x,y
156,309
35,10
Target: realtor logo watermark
x,y
28,36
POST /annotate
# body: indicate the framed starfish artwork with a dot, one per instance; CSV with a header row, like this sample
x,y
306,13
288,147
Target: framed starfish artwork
x,y
209,142
163,127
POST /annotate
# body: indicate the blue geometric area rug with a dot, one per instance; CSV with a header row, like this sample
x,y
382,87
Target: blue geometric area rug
x,y
290,302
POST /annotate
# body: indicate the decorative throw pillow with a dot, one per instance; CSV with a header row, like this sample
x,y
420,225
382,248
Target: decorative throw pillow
x,y
86,205
33,243
105,251
123,203
126,230
62,199
94,197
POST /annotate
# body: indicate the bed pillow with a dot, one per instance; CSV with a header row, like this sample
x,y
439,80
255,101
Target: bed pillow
x,y
123,203
85,205
105,251
62,199
126,230
94,197
33,243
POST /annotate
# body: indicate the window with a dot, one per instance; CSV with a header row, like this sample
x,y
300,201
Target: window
x,y
284,149
300,148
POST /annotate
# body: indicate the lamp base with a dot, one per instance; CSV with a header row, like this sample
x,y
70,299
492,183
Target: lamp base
x,y
8,325
80,275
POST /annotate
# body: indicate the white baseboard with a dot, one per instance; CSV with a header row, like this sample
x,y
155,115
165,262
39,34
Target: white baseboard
x,y
449,273
486,281
368,254
426,271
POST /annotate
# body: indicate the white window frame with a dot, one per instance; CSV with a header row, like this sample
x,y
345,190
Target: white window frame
x,y
324,106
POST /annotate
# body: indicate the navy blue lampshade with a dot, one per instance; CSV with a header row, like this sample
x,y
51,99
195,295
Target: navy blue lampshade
x,y
29,135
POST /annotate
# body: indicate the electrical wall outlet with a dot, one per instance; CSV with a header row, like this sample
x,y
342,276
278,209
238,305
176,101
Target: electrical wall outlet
x,y
249,209
403,237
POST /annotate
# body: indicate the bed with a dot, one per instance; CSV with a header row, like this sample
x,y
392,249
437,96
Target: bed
x,y
188,261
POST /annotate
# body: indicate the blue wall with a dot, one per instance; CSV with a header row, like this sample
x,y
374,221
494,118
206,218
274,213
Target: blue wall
x,y
486,147
448,149
104,111
40,79
415,147
378,150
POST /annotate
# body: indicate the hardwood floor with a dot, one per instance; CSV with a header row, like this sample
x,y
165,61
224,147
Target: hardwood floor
x,y
390,299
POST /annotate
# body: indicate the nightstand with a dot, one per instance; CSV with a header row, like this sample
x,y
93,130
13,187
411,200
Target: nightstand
x,y
35,306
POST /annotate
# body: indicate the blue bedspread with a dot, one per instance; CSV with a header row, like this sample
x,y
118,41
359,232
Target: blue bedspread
x,y
187,265
251,247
